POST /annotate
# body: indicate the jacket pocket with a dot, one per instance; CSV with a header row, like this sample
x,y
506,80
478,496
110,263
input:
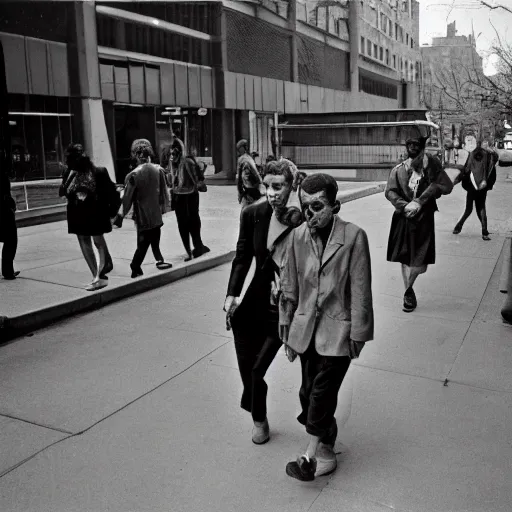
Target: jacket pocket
x,y
332,336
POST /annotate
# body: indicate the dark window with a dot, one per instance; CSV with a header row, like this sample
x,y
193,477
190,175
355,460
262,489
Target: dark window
x,y
362,45
369,48
387,57
381,53
375,51
372,83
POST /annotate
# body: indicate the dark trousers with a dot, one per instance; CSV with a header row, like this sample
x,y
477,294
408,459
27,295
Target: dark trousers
x,y
255,354
10,240
189,222
478,197
149,237
321,381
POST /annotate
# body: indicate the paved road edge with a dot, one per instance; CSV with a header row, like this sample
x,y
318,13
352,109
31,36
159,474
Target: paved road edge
x,y
15,326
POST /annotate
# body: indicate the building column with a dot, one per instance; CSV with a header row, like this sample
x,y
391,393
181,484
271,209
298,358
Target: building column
x,y
353,27
85,85
223,142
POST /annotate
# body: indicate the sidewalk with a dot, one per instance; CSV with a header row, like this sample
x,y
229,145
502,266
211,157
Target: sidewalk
x,y
54,273
135,408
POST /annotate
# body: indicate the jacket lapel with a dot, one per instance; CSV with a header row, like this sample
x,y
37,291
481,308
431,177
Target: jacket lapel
x,y
335,242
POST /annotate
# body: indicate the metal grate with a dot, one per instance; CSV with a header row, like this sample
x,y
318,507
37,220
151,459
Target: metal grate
x,y
322,65
256,48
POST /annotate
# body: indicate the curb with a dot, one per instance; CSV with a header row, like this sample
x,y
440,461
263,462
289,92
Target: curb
x,y
43,215
345,196
16,326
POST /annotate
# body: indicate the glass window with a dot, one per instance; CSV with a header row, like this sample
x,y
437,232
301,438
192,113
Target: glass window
x,y
375,51
387,57
369,48
19,167
66,134
51,142
362,45
33,148
381,53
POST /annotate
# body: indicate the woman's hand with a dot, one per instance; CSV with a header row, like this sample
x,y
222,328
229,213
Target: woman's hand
x,y
230,305
290,353
411,209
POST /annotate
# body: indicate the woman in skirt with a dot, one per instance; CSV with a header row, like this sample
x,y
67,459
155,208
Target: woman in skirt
x,y
413,187
93,201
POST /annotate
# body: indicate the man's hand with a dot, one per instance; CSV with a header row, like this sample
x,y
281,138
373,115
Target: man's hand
x,y
230,305
355,348
411,209
290,353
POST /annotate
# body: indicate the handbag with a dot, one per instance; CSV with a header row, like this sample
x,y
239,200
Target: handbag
x,y
200,184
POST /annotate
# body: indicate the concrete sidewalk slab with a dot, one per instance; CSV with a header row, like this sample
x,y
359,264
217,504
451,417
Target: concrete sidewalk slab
x,y
20,440
48,254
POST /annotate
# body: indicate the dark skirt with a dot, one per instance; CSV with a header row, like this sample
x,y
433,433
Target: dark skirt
x,y
412,241
88,218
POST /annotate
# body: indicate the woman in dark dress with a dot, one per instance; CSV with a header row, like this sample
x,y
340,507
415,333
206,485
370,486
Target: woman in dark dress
x,y
413,187
93,202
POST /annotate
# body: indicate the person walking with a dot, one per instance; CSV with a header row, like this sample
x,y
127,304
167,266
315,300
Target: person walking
x,y
8,229
412,188
325,315
146,190
187,182
477,177
93,201
264,227
248,180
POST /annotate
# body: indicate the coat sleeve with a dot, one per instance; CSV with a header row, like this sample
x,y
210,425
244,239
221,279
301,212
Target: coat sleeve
x,y
165,198
441,185
361,290
64,184
392,192
244,254
288,275
129,194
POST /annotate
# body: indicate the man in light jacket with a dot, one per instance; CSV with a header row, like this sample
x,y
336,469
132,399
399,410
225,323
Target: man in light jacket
x,y
326,314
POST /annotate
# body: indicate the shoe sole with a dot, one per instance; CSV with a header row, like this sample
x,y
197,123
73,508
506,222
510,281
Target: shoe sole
x,y
263,442
408,310
330,472
291,473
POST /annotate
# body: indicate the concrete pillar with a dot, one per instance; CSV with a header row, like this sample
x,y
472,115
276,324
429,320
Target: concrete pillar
x,y
223,142
353,27
85,83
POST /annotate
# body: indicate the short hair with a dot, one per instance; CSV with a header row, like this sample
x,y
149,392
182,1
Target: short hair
x,y
319,182
77,158
242,144
280,168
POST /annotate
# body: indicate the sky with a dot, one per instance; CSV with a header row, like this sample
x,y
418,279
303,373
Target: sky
x,y
469,15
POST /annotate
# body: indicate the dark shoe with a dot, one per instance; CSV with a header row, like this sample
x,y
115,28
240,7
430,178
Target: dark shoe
x,y
162,265
188,257
486,237
137,272
12,277
260,432
410,303
200,251
302,469
456,231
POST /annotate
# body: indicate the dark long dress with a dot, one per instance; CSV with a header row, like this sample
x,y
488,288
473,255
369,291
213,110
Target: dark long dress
x,y
89,210
412,240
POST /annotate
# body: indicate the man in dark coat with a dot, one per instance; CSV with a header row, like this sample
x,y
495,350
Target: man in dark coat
x,y
477,177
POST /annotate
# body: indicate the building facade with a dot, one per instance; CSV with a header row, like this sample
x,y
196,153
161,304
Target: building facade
x,y
452,70
212,72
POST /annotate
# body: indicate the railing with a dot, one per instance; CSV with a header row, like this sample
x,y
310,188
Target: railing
x,y
31,195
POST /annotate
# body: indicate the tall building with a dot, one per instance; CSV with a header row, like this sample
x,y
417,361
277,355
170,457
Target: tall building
x,y
106,73
451,66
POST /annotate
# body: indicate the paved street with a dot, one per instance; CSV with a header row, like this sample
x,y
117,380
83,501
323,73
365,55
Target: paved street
x,y
134,407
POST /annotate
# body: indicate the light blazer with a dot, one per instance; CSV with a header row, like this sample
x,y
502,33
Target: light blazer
x,y
332,293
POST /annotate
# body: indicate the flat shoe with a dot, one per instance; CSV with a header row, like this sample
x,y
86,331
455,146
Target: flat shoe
x,y
302,469
13,276
486,237
137,273
326,462
97,285
162,265
261,432
410,302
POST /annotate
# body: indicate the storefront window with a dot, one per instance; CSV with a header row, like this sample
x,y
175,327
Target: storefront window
x,y
34,147
51,145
